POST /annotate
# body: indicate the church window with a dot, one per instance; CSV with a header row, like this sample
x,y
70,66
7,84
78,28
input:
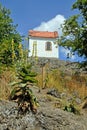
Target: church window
x,y
48,46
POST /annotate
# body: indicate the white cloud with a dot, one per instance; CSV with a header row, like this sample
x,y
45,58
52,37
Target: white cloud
x,y
53,24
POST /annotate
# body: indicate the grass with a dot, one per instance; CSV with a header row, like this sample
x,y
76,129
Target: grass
x,y
51,79
78,85
63,82
5,78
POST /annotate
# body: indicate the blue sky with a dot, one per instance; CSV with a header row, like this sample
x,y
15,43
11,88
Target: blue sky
x,y
40,15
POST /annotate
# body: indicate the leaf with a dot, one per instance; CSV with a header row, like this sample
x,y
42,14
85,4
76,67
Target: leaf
x,y
14,91
13,83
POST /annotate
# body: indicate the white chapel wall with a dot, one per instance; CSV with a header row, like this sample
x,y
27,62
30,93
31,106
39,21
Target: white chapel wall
x,y
41,48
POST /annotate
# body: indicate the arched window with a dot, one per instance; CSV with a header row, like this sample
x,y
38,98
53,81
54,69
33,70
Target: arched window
x,y
48,46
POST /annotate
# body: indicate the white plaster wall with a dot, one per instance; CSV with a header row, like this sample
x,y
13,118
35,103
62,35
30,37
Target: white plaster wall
x,y
41,52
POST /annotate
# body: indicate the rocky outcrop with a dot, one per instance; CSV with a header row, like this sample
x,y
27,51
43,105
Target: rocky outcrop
x,y
47,118
57,119
52,63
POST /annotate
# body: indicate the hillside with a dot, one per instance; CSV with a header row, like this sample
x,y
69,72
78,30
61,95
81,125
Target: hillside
x,y
60,85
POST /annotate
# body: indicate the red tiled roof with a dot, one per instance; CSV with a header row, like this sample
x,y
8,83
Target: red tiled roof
x,y
43,34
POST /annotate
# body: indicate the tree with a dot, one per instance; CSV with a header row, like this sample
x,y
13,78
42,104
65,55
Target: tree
x,y
75,31
7,29
7,34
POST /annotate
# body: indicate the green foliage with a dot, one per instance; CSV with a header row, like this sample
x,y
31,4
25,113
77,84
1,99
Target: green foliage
x,y
9,56
26,75
7,33
71,108
7,29
82,6
22,92
5,53
75,30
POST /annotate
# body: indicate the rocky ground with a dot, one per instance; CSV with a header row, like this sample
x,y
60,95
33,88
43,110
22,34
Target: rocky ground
x,y
49,116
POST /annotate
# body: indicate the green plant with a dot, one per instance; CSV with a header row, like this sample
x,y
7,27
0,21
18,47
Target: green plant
x,y
22,92
71,108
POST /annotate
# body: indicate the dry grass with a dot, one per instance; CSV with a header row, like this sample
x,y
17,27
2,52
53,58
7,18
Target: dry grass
x,y
50,79
59,80
78,87
6,77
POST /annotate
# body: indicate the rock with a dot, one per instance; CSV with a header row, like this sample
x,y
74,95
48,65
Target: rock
x,y
47,118
57,119
78,100
54,93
